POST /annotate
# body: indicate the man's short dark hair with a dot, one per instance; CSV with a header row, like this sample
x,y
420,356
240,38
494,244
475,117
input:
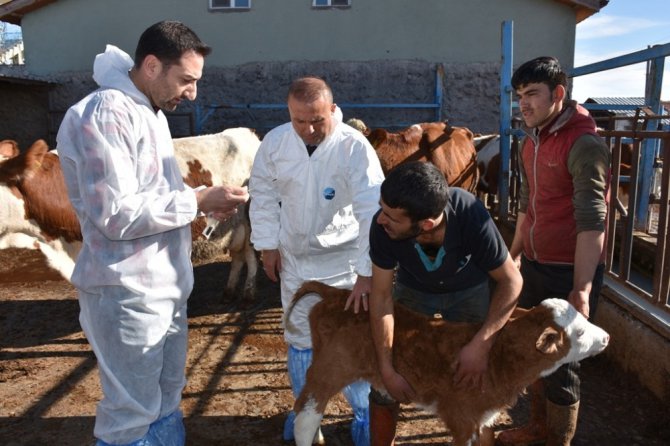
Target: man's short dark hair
x,y
541,70
418,188
168,41
309,89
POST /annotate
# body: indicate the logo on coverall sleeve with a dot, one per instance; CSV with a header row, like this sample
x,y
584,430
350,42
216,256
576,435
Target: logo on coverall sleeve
x,y
329,193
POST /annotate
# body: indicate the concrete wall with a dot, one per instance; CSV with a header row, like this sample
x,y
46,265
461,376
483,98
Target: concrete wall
x,y
634,346
66,35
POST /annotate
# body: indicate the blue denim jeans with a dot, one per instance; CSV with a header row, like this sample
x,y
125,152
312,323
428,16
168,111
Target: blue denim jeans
x,y
469,305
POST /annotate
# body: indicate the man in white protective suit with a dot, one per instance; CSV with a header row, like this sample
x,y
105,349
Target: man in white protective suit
x,y
314,189
134,272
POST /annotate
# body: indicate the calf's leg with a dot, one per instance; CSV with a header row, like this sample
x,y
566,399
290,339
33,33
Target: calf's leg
x,y
535,432
309,408
306,425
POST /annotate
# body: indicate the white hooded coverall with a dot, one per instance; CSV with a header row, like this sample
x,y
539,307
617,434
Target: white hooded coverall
x,y
316,210
134,272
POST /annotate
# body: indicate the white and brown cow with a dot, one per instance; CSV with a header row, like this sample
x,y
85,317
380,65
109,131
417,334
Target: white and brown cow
x,y
223,158
35,211
532,344
488,165
451,149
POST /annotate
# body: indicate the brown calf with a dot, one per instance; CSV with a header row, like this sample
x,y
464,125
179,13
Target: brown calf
x,y
424,351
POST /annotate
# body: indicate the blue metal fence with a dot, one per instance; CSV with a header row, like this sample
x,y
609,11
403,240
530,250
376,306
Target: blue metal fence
x,y
203,112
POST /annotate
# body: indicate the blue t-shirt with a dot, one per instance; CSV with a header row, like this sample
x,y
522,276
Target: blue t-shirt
x,y
472,247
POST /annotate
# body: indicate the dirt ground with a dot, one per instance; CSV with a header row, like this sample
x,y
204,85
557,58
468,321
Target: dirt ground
x,y
238,391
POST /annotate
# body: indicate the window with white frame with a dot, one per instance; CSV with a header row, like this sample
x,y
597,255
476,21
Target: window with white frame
x,y
215,5
330,3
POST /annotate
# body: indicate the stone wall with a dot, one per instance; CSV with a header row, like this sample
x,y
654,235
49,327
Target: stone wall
x,y
237,97
23,113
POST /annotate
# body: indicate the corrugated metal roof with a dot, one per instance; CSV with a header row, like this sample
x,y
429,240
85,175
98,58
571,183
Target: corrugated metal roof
x,y
617,100
614,101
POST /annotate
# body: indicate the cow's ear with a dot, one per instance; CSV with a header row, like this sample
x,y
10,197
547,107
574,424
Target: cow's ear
x,y
376,137
548,341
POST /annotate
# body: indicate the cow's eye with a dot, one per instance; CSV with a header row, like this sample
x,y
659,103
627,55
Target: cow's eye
x,y
579,332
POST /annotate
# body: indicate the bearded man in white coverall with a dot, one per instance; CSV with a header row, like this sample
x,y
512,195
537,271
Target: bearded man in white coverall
x,y
134,272
314,189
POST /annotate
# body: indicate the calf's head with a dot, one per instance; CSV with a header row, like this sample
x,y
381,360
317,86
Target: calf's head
x,y
584,338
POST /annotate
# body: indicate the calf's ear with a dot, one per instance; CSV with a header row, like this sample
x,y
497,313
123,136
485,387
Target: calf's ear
x,y
518,312
9,148
548,341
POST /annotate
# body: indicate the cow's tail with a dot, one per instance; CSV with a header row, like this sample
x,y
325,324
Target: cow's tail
x,y
311,287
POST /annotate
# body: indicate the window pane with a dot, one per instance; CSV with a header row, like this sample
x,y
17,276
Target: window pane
x,y
242,3
220,3
340,2
320,2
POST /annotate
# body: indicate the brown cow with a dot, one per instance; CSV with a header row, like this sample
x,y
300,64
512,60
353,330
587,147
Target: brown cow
x,y
533,344
451,149
35,211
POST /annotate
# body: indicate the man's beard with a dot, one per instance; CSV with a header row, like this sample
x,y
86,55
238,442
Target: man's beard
x,y
412,232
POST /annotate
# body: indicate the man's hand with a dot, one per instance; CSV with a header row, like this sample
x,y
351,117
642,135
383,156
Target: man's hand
x,y
359,294
398,387
580,300
471,366
271,263
220,202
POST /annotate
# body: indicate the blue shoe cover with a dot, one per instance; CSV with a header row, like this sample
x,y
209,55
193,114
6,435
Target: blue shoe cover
x,y
288,427
168,431
297,364
357,395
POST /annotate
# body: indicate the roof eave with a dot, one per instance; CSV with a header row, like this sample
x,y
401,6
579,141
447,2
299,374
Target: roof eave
x,y
585,8
14,10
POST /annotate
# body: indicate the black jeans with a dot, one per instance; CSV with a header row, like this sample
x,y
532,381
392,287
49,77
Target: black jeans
x,y
542,281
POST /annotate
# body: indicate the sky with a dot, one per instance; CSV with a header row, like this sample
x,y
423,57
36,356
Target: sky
x,y
621,27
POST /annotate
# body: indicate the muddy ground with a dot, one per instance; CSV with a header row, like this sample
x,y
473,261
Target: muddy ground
x,y
238,391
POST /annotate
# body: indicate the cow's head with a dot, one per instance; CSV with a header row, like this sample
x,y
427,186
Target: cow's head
x,y
396,148
15,166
